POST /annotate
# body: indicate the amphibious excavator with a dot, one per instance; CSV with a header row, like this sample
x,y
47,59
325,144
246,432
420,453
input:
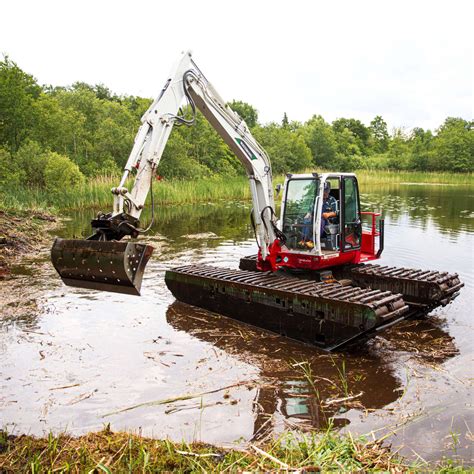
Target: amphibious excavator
x,y
310,280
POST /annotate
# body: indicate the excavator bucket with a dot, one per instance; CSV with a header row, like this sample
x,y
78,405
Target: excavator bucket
x,y
101,265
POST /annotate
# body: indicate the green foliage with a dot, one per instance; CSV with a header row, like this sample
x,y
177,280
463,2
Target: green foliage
x,y
246,111
287,149
358,130
378,129
31,160
321,140
10,174
61,173
454,146
18,91
94,128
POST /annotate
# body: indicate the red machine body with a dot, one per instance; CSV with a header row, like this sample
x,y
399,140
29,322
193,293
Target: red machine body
x,y
361,232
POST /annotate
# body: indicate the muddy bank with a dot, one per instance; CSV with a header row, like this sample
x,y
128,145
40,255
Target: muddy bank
x,y
22,234
24,240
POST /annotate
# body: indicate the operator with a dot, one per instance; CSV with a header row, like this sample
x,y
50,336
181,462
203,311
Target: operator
x,y
329,208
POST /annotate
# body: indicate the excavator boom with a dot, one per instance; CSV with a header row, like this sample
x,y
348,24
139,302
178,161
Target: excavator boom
x,y
101,261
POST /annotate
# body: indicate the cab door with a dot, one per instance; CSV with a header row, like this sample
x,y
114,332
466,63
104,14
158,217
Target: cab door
x,y
351,234
298,213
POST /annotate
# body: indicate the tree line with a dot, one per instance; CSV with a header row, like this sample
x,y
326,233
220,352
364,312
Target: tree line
x,y
57,136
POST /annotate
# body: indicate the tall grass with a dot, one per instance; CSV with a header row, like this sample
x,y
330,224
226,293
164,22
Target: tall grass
x,y
420,177
96,191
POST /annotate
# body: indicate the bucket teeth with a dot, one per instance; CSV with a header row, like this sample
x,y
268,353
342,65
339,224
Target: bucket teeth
x,y
101,265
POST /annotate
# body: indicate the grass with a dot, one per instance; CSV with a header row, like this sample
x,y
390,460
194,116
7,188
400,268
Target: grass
x,y
367,177
108,451
96,192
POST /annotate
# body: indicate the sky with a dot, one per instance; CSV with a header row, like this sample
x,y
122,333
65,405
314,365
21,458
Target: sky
x,y
409,61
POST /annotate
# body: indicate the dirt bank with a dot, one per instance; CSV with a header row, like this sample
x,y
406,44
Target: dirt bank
x,y
24,237
21,234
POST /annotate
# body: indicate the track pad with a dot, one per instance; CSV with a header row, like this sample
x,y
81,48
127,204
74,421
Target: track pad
x,y
101,265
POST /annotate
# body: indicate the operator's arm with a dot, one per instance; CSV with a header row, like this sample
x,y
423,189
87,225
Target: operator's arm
x,y
331,212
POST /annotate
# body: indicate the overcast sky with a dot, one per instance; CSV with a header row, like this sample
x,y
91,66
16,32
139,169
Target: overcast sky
x,y
409,61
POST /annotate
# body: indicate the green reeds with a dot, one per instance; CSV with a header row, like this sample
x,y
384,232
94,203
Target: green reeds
x,y
96,191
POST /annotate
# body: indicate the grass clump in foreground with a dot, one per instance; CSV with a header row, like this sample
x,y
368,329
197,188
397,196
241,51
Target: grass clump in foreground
x,y
107,451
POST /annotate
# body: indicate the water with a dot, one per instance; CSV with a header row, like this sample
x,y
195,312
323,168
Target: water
x,y
75,360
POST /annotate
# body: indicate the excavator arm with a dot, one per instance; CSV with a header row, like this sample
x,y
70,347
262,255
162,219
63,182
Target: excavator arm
x,y
78,262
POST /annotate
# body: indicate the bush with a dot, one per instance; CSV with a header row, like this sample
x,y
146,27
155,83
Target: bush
x,y
10,175
31,160
61,173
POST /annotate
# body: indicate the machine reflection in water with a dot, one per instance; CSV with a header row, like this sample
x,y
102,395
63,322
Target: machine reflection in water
x,y
300,385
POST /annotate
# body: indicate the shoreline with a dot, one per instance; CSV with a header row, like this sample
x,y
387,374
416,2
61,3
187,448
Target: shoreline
x,y
96,191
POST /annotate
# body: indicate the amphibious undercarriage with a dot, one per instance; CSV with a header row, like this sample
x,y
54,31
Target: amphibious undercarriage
x,y
359,302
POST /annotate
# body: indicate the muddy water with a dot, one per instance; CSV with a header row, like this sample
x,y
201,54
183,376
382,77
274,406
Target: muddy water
x,y
75,360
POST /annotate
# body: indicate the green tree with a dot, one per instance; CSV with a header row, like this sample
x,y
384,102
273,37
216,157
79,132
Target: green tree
x,y
421,146
287,150
321,139
207,148
246,111
18,91
399,151
378,129
358,129
285,122
348,152
176,162
453,146
10,174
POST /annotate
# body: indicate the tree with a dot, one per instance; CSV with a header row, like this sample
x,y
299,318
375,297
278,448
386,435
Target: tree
x,y
453,146
287,150
320,138
246,111
378,129
420,144
18,91
398,151
285,123
358,129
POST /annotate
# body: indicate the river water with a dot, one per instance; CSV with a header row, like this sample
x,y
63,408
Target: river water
x,y
75,360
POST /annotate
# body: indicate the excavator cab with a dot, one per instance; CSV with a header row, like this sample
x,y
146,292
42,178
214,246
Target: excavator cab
x,y
307,198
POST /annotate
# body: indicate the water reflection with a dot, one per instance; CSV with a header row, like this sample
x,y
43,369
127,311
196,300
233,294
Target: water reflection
x,y
450,208
302,384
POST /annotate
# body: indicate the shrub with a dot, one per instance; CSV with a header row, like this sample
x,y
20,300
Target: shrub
x,y
61,173
10,175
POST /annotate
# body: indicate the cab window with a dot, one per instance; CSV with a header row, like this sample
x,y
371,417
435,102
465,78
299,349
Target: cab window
x,y
298,216
351,224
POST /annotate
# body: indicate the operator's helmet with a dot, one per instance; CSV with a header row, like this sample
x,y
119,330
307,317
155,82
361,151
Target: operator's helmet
x,y
327,187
